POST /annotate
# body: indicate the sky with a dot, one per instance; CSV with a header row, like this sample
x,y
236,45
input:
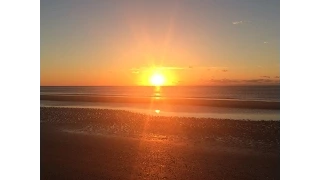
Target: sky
x,y
122,42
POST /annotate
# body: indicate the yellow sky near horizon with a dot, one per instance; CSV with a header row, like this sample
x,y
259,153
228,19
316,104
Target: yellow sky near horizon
x,y
173,76
118,43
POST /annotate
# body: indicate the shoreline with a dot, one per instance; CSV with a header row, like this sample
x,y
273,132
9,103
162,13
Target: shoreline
x,y
129,124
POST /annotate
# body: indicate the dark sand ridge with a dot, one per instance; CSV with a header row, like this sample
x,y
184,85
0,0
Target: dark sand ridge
x,y
114,144
251,104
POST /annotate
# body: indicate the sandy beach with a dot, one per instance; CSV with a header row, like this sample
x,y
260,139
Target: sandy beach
x,y
115,144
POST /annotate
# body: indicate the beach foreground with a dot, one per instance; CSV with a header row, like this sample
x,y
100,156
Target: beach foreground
x,y
114,144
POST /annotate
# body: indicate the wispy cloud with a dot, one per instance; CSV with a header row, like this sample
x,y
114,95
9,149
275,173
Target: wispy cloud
x,y
260,81
208,68
245,81
265,42
265,77
135,70
138,70
237,22
173,68
225,80
240,22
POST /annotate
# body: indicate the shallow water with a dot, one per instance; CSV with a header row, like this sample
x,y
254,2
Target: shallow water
x,y
176,110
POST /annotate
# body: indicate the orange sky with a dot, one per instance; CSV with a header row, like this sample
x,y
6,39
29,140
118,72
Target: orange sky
x,y
124,42
173,76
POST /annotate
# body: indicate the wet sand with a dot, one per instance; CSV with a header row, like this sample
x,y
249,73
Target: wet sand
x,y
113,144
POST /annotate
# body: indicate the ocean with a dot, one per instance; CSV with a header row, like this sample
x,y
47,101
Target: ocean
x,y
271,93
198,93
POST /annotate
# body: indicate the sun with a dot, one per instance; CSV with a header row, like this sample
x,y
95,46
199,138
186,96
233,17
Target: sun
x,y
157,79
156,76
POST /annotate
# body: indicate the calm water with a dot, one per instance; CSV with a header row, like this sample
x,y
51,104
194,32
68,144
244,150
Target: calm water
x,y
176,110
265,93
269,93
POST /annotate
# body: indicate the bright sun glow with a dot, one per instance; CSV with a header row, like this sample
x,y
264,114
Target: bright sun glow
x,y
156,76
157,79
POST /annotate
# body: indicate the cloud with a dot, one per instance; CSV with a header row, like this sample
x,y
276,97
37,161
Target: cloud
x,y
240,22
173,68
159,68
209,67
224,80
277,77
135,70
265,77
218,69
237,22
260,81
244,81
265,42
